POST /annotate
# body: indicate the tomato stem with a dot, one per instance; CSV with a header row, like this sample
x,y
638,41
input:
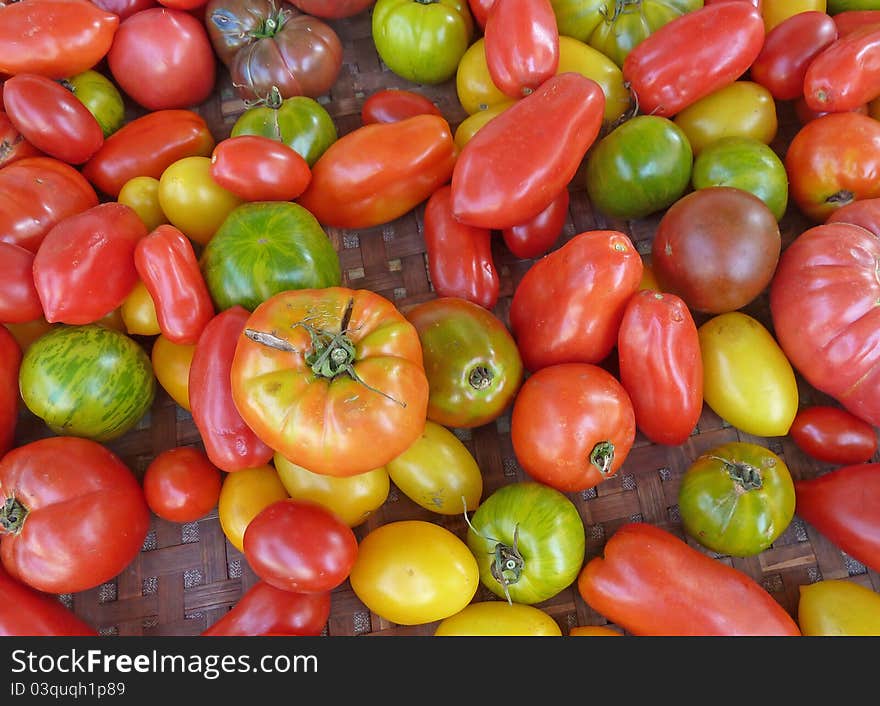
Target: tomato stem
x,y
12,516
602,457
746,476
480,377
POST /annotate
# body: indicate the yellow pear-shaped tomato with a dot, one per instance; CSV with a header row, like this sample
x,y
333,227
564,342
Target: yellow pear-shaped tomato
x,y
836,607
499,618
171,364
243,495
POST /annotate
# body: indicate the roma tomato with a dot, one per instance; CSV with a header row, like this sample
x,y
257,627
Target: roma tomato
x,y
171,364
736,499
568,306
389,105
473,365
833,435
496,618
413,572
13,145
26,612
257,168
141,193
89,509
242,496
837,607
264,610
661,367
348,346
845,74
19,301
528,540
10,363
537,236
100,96
181,484
139,313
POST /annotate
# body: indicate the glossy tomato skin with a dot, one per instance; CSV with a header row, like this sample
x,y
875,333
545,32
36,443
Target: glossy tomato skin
x,y
693,55
13,144
537,236
242,496
257,168
593,274
10,362
460,260
775,12
142,194
29,613
100,96
850,20
572,426
332,9
389,105
838,607
181,484
124,8
498,618
171,364
300,546
542,535
90,509
833,435
661,366
650,582
823,305
844,75
19,301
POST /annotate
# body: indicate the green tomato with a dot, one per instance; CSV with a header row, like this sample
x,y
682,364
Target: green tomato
x,y
642,166
744,163
835,7
422,40
100,95
736,499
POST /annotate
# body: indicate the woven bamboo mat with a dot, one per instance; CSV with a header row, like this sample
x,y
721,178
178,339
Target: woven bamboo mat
x,y
187,576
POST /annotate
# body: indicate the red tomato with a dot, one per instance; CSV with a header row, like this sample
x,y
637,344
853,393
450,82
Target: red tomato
x,y
90,510
182,485
10,399
392,104
833,435
851,20
864,213
35,194
264,609
297,545
163,59
332,9
568,306
846,73
13,145
805,114
537,235
572,426
124,8
85,268
661,366
459,256
257,168
693,56
19,301
25,612
480,10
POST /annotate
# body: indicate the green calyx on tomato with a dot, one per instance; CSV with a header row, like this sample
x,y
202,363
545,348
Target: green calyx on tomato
x,y
12,516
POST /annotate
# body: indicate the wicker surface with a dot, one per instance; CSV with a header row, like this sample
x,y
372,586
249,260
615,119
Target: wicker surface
x,y
187,576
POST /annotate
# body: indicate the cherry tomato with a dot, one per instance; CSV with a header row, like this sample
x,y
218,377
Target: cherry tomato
x,y
537,235
833,435
181,484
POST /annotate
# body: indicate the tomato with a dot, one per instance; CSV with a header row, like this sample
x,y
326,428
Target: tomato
x,y
35,194
19,301
378,172
413,572
642,166
716,248
468,127
181,484
257,168
833,435
171,364
333,9
438,472
389,105
13,145
264,248
87,381
229,442
54,38
594,631
805,114
497,618
498,184
864,213
650,582
100,96
788,50
844,74
264,609
568,306
693,56
823,304
300,546
850,20
89,509
747,379
352,397
124,8
460,260
162,59
744,163
25,612
352,498
242,496
844,505
421,42
837,607
29,331
775,12
537,236
141,193
139,313
474,86
10,363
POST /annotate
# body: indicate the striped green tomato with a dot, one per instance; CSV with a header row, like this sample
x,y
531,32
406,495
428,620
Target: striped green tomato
x,y
87,381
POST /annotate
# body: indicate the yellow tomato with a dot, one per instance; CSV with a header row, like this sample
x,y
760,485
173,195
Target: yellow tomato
x,y
474,85
583,59
776,11
139,312
594,631
243,494
499,618
351,498
836,607
413,572
747,380
142,194
740,109
649,280
171,363
192,200
29,331
471,125
437,471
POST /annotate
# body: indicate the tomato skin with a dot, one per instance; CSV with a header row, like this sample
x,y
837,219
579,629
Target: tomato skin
x,y
242,496
693,55
498,618
864,213
25,612
19,301
264,609
650,582
171,364
146,146
844,505
537,236
850,20
230,443
124,8
788,50
845,74
10,362
142,194
332,9
181,484
91,510
13,145
833,435
392,104
257,168
558,121
460,259
54,38
593,274
661,366
100,97
572,426
837,607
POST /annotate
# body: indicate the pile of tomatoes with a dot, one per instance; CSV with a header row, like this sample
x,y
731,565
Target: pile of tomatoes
x,y
139,251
